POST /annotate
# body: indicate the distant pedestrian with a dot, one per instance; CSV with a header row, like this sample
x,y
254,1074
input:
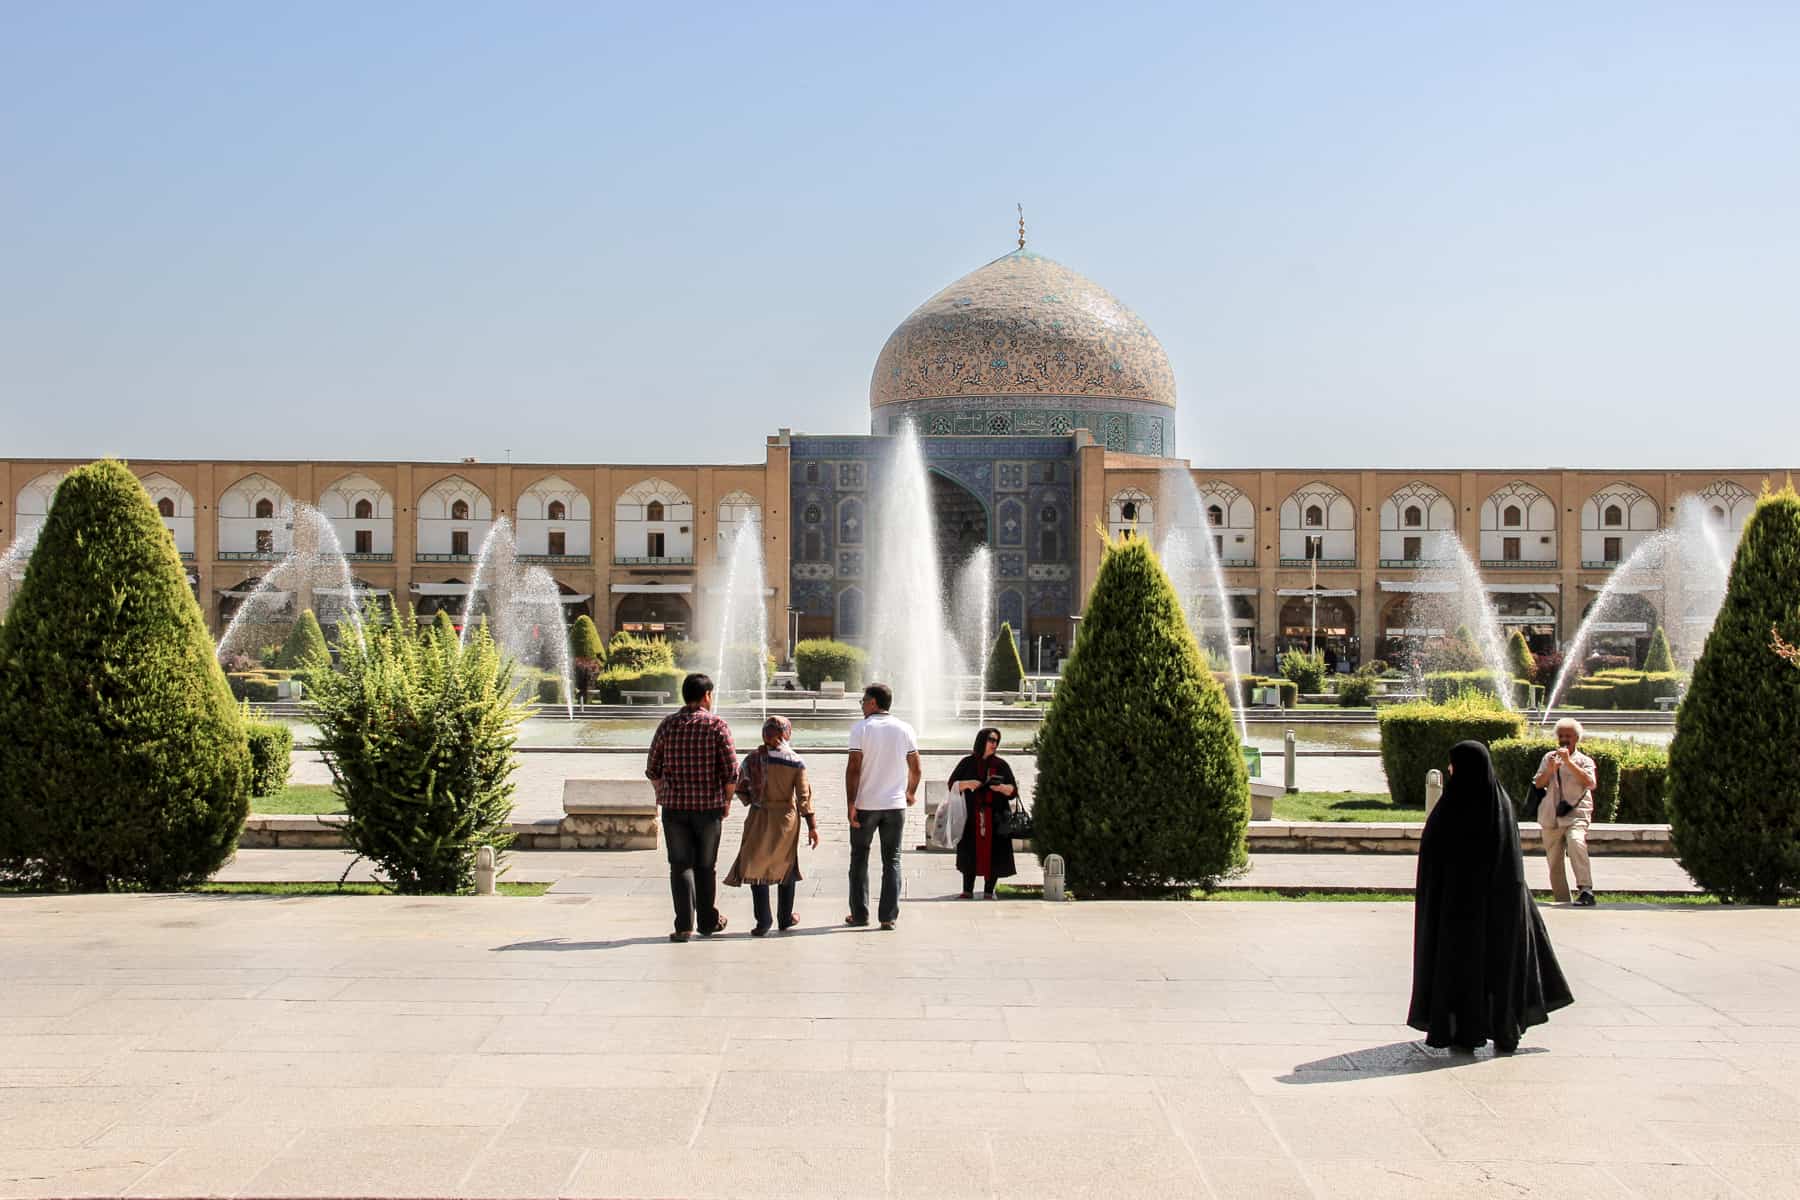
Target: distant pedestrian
x,y
1568,778
773,783
987,784
880,782
1483,967
693,765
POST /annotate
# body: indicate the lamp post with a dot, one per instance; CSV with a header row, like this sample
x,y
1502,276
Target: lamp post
x,y
793,632
1316,544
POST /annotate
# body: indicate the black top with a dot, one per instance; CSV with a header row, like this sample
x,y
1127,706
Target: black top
x,y
1482,962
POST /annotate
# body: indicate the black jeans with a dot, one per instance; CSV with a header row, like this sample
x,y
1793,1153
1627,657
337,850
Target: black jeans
x,y
692,840
987,884
890,823
759,897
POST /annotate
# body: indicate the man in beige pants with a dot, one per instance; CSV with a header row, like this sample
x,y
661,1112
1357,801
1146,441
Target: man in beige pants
x,y
1568,777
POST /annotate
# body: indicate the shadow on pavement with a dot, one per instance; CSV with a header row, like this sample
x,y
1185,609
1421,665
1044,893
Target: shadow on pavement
x,y
1396,1058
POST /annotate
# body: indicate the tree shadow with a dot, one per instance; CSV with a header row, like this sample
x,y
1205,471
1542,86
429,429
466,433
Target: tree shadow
x,y
565,946
1395,1058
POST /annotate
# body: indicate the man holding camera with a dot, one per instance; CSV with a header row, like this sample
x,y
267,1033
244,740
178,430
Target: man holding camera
x,y
1568,778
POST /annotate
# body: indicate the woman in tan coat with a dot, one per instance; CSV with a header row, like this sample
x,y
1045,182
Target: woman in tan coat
x,y
773,783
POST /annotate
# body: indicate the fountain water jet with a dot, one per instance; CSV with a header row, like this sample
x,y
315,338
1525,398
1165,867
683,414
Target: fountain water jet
x,y
975,619
909,642
315,562
744,617
522,606
1192,562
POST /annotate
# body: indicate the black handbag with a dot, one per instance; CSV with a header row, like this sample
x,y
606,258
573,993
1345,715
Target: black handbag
x,y
1018,820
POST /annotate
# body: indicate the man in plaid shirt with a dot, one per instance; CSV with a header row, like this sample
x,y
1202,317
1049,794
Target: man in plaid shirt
x,y
694,767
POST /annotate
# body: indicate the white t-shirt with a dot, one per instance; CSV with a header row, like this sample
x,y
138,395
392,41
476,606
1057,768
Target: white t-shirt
x,y
885,741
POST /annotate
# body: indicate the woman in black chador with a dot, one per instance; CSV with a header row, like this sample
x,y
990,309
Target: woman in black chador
x,y
987,783
1482,963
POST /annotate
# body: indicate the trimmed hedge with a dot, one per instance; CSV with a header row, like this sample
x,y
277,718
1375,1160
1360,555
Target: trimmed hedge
x,y
305,644
1416,738
1632,777
614,682
258,687
271,751
1355,691
1140,776
585,641
1005,670
1660,658
1734,769
1306,670
639,654
1518,657
1592,695
1247,684
123,760
818,659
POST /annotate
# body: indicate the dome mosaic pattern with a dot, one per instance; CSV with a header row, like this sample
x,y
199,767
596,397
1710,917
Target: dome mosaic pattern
x,y
1023,325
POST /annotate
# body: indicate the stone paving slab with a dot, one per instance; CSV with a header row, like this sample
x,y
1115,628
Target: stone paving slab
x,y
560,1046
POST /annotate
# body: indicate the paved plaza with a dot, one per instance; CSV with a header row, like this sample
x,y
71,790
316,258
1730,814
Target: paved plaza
x,y
359,1046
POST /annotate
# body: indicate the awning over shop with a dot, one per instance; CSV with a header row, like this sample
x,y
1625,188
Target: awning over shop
x,y
1243,591
1521,589
581,598
1624,589
621,589
246,593
440,589
1319,592
1419,585
342,592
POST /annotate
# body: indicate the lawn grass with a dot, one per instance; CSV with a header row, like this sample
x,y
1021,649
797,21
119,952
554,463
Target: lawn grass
x,y
1304,895
1343,806
298,798
504,887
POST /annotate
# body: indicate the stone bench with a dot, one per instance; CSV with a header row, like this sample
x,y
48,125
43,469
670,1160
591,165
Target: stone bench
x,y
1667,703
608,814
1262,799
653,697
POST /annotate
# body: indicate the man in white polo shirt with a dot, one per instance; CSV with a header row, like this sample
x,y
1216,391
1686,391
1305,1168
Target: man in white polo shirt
x,y
881,781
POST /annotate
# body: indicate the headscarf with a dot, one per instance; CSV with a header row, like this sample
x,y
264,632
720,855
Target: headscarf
x,y
981,737
1472,826
755,761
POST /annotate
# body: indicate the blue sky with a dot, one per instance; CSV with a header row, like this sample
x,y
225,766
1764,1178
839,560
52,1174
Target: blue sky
x,y
1402,235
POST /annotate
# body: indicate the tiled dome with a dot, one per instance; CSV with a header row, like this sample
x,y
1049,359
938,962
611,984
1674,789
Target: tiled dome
x,y
1023,325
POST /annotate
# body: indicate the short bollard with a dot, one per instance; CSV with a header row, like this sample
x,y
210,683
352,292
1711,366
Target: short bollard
x,y
1434,789
1289,766
1053,877
484,871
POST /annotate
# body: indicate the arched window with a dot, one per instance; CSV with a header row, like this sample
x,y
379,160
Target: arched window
x,y
1315,516
1614,516
653,511
1128,510
166,507
265,509
459,510
365,511
1215,515
1512,518
556,511
1415,516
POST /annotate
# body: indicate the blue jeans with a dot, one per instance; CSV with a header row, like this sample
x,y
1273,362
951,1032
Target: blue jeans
x,y
759,897
890,823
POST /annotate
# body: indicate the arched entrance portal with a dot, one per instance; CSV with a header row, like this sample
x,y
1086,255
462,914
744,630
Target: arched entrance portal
x,y
653,615
1334,628
961,523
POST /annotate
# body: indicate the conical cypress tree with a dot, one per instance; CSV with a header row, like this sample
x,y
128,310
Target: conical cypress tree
x,y
443,626
1659,658
1005,670
1141,781
585,641
1519,659
305,644
123,760
1734,766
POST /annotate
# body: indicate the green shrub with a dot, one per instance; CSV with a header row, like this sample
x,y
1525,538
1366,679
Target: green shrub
x,y
1306,670
305,645
1442,686
1247,684
1519,659
1659,658
419,737
123,759
818,659
1141,780
1591,695
1630,776
1456,653
1643,784
639,654
550,688
443,625
1734,766
1355,691
585,641
257,687
271,751
614,682
1416,738
1005,670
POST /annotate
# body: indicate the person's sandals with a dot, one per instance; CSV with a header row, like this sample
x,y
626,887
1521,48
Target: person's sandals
x,y
790,922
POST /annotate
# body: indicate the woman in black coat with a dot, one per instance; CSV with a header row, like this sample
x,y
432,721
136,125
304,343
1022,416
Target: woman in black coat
x,y
1482,963
987,784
